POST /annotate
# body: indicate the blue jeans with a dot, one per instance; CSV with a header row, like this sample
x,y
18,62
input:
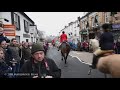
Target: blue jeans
x,y
16,68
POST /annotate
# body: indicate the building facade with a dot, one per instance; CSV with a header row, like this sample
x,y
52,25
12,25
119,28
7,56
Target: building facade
x,y
115,25
72,31
22,23
93,21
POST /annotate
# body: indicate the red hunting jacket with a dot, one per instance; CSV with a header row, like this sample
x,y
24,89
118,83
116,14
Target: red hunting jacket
x,y
63,37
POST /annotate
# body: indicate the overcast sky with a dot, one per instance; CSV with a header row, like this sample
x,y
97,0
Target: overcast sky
x,y
52,22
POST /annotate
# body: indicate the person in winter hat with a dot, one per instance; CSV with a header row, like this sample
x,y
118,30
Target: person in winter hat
x,y
39,65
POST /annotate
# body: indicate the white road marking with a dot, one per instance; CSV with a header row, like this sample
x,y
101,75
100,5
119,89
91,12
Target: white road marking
x,y
80,59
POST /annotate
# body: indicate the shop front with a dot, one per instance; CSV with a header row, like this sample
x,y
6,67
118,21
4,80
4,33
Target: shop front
x,y
116,31
84,35
91,34
97,31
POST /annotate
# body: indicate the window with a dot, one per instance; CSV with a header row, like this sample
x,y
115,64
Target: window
x,y
87,24
18,38
27,40
26,26
92,21
1,24
96,17
31,39
96,20
75,33
82,25
107,14
17,21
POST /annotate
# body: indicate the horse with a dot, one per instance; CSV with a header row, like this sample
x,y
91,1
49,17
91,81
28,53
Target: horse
x,y
93,44
109,63
65,50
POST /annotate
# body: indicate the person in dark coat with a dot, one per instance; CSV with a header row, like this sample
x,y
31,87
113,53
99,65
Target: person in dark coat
x,y
3,38
4,68
15,50
118,46
26,53
106,44
40,66
7,52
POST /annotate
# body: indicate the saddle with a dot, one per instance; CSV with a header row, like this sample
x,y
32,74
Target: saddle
x,y
103,55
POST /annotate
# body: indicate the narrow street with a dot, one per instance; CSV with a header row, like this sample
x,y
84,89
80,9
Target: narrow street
x,y
77,64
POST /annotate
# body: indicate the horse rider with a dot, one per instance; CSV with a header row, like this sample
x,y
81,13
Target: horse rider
x,y
106,44
53,42
94,43
63,38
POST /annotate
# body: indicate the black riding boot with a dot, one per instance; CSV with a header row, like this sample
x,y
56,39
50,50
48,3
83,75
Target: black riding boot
x,y
94,62
59,47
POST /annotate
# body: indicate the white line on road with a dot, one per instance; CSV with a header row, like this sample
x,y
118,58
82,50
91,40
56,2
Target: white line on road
x,y
80,60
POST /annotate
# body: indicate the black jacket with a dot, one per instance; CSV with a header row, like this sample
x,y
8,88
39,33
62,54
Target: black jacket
x,y
26,53
2,38
4,70
30,68
106,41
15,51
8,56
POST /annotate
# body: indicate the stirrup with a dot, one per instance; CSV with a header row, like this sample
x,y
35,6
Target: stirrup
x,y
92,66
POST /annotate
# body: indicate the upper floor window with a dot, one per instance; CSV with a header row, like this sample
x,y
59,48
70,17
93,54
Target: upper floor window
x,y
96,19
26,26
92,21
82,26
17,21
107,14
87,24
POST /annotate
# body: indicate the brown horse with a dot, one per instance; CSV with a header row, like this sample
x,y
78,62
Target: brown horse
x,y
109,63
65,49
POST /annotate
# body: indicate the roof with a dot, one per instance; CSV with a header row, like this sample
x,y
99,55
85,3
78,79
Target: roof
x,y
85,15
27,17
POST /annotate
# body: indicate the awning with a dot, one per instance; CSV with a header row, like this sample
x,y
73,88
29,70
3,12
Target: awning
x,y
83,32
115,26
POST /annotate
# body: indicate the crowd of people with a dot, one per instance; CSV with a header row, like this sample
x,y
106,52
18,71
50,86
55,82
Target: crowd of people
x,y
25,60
